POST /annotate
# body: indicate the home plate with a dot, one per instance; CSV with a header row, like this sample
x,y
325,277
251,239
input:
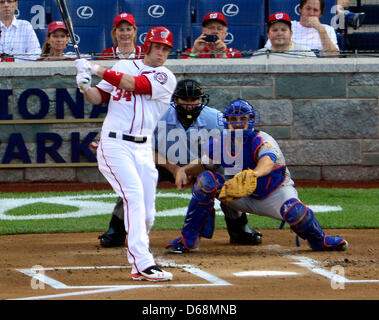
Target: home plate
x,y
264,273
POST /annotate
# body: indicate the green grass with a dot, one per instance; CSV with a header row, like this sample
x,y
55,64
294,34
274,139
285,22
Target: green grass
x,y
360,210
40,208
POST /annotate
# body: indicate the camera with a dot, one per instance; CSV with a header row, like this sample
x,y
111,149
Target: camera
x,y
210,38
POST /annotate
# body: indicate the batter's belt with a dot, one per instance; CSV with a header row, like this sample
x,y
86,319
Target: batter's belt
x,y
128,138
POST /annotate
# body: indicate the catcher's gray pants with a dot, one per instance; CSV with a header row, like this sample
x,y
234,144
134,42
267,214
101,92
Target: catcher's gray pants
x,y
269,207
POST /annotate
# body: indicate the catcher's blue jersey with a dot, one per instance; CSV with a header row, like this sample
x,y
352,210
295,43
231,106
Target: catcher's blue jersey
x,y
247,155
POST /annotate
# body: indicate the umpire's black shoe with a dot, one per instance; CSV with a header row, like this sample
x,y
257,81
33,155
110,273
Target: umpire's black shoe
x,y
241,233
116,234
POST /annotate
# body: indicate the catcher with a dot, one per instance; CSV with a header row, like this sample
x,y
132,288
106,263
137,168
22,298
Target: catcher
x,y
264,185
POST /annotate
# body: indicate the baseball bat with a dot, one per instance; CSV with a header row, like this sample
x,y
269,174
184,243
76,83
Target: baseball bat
x,y
68,22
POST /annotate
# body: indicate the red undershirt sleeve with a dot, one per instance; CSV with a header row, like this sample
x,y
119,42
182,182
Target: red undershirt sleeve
x,y
142,85
105,96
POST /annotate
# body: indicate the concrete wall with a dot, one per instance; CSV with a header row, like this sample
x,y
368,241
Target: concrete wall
x,y
323,112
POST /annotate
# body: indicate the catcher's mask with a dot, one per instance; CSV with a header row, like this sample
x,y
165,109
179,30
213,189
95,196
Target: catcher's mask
x,y
242,109
189,90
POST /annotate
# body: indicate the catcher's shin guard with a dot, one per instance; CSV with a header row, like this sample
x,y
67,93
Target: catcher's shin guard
x,y
303,222
241,233
199,220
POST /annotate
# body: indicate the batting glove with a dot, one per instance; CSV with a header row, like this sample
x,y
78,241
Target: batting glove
x,y
83,80
83,65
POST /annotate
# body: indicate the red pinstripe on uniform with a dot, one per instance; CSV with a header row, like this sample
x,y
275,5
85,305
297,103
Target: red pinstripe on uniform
x,y
124,198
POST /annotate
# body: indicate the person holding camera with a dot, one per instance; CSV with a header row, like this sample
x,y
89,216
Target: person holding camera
x,y
211,42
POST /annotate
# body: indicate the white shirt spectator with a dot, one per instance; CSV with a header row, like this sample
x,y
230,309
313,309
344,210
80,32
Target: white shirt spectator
x,y
20,40
309,37
295,51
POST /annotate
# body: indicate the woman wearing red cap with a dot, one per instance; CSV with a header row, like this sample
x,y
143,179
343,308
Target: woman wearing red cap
x,y
124,35
56,42
214,25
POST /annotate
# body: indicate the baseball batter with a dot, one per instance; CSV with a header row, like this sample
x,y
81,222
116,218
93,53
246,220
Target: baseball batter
x,y
139,92
261,158
178,139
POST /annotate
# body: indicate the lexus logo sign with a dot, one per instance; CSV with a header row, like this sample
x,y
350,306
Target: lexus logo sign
x,y
230,9
84,12
156,11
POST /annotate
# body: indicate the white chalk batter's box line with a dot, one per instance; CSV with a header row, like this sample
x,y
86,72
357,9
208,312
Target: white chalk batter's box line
x,y
212,279
308,263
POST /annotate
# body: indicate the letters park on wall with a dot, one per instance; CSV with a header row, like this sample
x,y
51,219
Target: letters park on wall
x,y
66,110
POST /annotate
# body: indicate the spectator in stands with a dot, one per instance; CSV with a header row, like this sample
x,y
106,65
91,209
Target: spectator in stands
x,y
214,25
279,32
350,19
18,37
346,19
3,57
124,36
56,42
310,32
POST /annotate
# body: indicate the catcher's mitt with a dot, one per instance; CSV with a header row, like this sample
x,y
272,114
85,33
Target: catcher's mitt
x,y
241,185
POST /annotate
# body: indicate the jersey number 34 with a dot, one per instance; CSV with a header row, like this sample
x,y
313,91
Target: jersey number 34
x,y
122,93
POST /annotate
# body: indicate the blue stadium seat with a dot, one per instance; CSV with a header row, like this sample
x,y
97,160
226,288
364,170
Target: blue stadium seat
x,y
364,40
291,7
236,12
89,39
176,15
41,35
242,38
177,32
33,11
89,13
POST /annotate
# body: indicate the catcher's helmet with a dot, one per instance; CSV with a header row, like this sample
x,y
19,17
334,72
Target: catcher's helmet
x,y
158,35
189,89
240,108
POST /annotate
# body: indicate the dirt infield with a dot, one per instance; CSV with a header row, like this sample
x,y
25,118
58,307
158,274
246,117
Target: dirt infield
x,y
76,267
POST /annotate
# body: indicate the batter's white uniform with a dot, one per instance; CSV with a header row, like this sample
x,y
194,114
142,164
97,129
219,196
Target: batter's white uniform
x,y
127,165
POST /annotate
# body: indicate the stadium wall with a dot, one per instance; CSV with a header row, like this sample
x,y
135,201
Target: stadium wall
x,y
323,112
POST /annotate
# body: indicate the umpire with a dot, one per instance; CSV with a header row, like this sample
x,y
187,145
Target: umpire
x,y
188,111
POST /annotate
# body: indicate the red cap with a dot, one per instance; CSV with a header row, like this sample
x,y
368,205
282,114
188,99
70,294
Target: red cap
x,y
214,16
55,25
123,16
279,17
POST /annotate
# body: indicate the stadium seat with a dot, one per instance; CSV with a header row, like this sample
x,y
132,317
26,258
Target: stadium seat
x,y
85,38
292,8
41,35
176,30
364,40
89,13
33,11
372,13
175,15
242,38
237,12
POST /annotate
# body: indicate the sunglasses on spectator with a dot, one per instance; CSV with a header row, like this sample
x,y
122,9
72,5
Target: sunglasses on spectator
x,y
9,1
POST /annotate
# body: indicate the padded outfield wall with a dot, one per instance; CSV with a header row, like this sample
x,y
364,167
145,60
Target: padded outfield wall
x,y
323,112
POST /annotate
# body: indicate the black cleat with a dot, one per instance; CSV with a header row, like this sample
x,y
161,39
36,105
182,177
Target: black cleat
x,y
116,234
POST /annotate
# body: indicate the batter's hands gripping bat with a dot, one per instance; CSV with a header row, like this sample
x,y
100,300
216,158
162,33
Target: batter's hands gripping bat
x,y
68,22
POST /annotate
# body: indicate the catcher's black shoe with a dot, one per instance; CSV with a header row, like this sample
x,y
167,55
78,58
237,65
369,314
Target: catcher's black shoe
x,y
116,234
251,238
241,233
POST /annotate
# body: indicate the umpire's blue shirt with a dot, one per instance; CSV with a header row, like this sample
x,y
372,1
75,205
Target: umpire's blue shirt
x,y
181,146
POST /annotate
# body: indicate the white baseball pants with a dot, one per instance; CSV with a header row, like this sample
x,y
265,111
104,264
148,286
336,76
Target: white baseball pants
x,y
130,169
